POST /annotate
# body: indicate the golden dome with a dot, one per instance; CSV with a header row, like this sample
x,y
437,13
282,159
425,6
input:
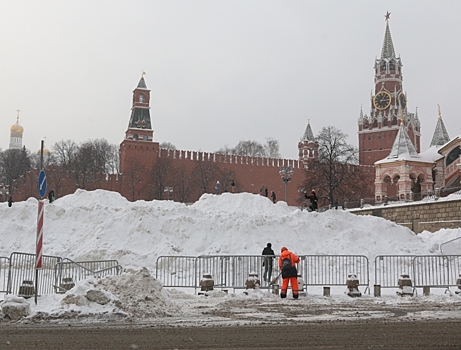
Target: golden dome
x,y
16,127
46,152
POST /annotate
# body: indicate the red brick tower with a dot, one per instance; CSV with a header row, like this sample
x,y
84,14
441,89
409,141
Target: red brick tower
x,y
138,150
377,132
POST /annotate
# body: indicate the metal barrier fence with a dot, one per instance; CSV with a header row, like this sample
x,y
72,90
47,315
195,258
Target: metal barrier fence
x,y
176,271
232,271
4,267
388,269
333,270
68,272
17,273
452,247
438,271
22,273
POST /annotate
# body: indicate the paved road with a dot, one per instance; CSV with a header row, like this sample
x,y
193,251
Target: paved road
x,y
322,335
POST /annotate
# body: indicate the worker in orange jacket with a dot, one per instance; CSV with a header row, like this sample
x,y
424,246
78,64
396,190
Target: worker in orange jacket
x,y
287,264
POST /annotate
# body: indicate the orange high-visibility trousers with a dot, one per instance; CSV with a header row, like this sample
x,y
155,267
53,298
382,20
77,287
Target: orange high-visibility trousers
x,y
294,286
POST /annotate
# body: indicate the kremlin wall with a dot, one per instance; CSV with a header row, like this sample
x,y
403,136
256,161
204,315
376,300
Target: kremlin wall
x,y
390,157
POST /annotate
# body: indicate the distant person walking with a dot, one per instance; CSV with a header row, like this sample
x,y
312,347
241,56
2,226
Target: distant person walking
x,y
314,201
232,186
287,264
269,255
10,201
51,197
273,197
218,187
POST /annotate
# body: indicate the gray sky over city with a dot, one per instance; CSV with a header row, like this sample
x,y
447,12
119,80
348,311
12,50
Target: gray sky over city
x,y
219,71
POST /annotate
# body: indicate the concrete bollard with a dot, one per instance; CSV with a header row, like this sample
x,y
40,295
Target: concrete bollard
x,y
252,281
66,284
326,291
377,290
206,283
352,284
405,286
26,289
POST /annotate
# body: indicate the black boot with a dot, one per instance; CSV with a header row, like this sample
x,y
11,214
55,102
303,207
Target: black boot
x,y
283,295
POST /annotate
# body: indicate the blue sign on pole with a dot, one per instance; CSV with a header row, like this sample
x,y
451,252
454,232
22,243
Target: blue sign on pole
x,y
41,184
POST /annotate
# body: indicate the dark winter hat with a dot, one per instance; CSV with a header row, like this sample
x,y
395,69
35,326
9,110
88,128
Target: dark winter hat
x,y
269,245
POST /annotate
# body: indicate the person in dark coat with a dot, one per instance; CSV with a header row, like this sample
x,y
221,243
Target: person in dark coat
x,y
273,196
269,255
314,200
51,196
232,186
10,201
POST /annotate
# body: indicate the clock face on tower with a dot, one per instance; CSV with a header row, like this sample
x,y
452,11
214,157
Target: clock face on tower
x,y
382,100
402,100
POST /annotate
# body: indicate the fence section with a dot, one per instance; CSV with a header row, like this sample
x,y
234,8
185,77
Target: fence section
x,y
438,271
4,267
389,268
229,271
333,270
22,274
68,272
176,271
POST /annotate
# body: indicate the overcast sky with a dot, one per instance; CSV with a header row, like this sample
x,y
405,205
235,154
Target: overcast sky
x,y
219,71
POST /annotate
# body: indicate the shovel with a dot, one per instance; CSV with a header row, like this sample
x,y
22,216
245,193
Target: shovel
x,y
274,280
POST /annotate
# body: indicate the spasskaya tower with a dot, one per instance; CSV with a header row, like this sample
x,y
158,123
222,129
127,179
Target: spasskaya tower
x,y
377,131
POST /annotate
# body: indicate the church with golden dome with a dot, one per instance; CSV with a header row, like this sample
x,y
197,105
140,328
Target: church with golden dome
x,y
16,132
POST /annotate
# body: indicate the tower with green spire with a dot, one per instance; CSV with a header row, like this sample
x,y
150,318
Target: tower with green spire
x,y
377,131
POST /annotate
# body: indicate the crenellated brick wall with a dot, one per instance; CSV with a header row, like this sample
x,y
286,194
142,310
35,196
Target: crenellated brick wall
x,y
420,216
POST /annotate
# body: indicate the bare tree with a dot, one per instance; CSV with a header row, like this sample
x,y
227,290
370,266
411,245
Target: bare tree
x,y
254,149
13,164
65,153
159,177
113,161
134,174
204,176
182,183
272,148
336,169
167,146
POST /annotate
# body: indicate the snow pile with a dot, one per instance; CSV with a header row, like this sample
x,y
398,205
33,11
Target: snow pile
x,y
144,296
134,294
102,225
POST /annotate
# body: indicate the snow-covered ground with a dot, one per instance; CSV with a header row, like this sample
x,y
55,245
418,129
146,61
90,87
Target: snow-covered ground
x,y
102,225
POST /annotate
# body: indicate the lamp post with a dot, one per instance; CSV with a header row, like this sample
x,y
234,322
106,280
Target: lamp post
x,y
168,189
285,173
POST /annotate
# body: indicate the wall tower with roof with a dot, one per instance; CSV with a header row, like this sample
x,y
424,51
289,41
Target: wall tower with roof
x,y
378,131
308,147
140,127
